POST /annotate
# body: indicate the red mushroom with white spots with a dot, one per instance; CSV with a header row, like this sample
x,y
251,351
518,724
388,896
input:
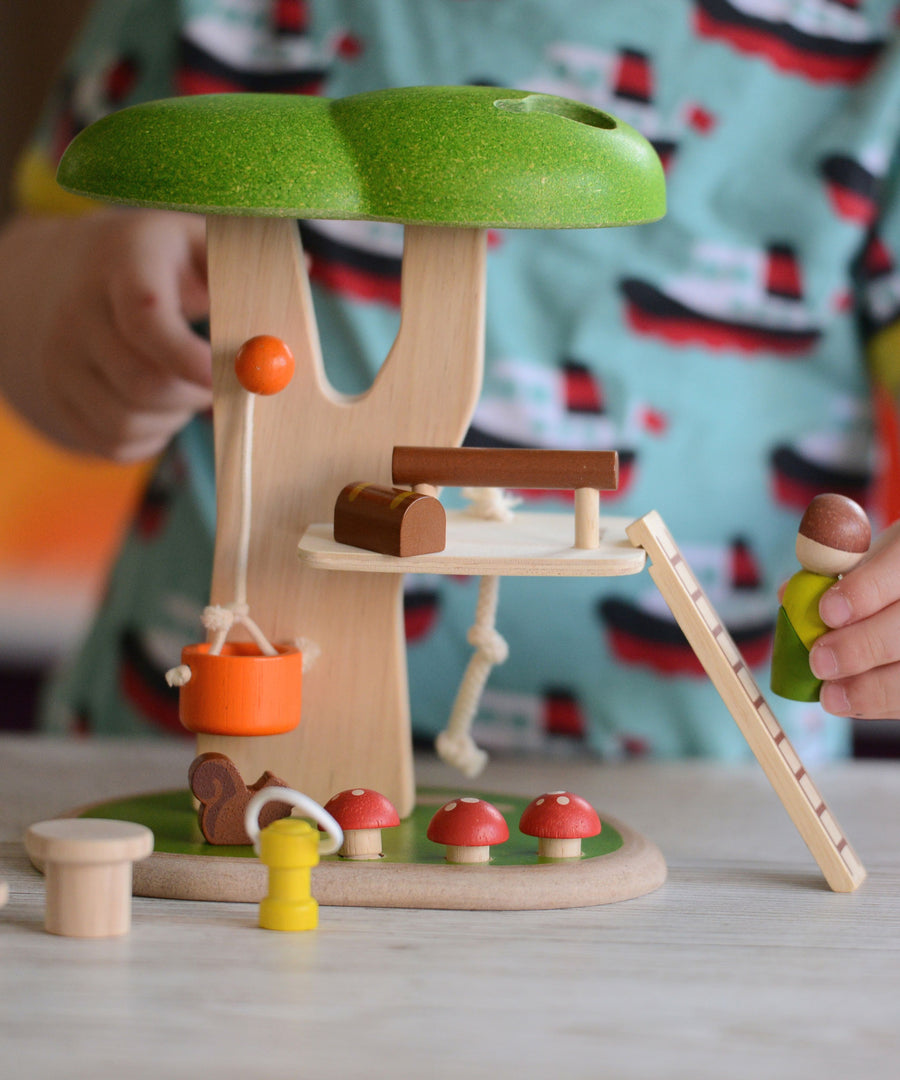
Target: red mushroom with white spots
x,y
559,820
362,814
469,828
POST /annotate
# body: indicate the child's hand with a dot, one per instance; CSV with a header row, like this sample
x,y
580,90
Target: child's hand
x,y
859,659
97,349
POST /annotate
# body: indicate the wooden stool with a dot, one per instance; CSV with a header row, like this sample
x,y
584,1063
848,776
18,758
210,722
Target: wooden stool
x,y
87,865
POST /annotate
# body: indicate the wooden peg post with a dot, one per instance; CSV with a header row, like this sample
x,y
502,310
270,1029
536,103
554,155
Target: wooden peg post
x,y
87,865
587,518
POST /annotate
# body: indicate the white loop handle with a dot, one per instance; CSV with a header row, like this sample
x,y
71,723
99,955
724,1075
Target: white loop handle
x,y
308,806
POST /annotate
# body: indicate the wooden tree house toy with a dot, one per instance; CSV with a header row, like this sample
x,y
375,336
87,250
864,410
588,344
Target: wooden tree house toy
x,y
448,163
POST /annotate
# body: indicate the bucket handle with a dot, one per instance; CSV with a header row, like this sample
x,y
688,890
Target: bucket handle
x,y
309,807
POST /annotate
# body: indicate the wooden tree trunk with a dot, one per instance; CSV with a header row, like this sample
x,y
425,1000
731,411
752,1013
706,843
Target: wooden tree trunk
x,y
309,442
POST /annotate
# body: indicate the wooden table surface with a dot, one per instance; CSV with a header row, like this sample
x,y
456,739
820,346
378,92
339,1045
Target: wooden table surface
x,y
742,965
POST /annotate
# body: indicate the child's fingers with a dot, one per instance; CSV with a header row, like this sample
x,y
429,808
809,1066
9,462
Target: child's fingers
x,y
194,282
870,587
118,407
135,385
99,353
148,300
862,646
874,695
118,435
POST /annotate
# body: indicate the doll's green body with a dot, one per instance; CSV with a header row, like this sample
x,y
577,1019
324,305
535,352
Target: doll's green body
x,y
798,627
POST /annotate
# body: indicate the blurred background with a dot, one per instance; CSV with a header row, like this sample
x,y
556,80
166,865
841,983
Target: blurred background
x,y
61,516
34,35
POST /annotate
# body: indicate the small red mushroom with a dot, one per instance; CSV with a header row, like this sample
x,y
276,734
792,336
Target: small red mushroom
x,y
468,827
362,814
559,820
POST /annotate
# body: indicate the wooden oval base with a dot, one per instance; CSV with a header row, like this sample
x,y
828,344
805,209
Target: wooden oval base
x,y
619,864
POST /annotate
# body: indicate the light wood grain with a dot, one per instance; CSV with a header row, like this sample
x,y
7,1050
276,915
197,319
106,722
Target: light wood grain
x,y
309,442
531,545
587,518
87,865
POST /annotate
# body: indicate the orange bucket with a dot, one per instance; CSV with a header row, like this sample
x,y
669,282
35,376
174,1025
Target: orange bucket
x,y
240,691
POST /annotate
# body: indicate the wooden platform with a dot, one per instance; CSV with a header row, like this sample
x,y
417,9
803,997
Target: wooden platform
x,y
619,864
531,545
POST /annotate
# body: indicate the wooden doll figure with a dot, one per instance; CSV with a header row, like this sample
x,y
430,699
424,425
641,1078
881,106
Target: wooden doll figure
x,y
834,535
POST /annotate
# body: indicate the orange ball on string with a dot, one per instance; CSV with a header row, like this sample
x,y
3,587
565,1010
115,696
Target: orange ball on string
x,y
264,365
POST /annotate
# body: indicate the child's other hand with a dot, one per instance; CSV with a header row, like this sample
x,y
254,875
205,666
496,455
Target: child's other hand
x,y
859,659
101,355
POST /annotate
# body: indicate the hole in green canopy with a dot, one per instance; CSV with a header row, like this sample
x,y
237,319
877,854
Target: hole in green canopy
x,y
570,110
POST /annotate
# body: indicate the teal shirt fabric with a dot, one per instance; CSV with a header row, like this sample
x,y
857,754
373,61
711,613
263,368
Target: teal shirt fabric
x,y
720,351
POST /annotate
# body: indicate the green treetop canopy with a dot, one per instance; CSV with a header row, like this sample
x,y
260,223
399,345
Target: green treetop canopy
x,y
473,156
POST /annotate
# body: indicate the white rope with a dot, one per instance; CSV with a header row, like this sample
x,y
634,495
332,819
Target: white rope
x,y
311,651
493,504
219,622
307,806
217,619
243,549
455,744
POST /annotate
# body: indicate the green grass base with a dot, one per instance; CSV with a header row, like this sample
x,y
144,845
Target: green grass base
x,y
173,820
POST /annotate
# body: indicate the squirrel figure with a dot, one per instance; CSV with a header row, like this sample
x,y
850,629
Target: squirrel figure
x,y
223,796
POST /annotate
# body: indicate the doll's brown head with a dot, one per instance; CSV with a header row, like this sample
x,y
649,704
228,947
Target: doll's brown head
x,y
834,535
